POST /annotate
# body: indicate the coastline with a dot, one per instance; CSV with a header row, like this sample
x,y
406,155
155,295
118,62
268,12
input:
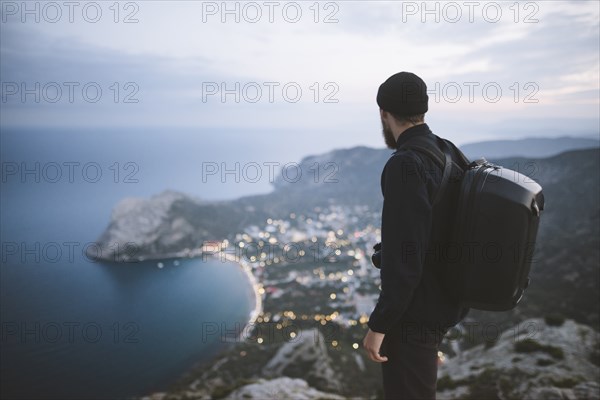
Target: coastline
x,y
258,305
187,253
218,255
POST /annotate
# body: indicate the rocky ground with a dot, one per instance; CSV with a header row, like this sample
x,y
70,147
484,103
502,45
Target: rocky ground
x,y
539,359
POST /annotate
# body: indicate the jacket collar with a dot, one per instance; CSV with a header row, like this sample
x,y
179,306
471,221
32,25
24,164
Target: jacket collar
x,y
411,132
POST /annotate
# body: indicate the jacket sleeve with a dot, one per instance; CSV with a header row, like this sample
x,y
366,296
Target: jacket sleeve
x,y
405,230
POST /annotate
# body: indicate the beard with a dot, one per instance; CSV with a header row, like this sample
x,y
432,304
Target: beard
x,y
390,142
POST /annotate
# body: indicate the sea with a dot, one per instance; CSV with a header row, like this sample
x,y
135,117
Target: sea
x,y
76,328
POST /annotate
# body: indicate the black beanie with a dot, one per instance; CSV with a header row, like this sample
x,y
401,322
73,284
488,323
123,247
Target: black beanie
x,y
403,94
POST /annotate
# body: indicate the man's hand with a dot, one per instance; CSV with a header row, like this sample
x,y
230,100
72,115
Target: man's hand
x,y
372,343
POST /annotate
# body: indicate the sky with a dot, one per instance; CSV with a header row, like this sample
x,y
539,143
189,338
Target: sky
x,y
282,71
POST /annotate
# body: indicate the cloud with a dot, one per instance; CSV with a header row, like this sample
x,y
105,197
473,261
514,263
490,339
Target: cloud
x,y
175,47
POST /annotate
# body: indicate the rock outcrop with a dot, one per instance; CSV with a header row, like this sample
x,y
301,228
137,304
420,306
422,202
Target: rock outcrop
x,y
281,388
305,357
533,360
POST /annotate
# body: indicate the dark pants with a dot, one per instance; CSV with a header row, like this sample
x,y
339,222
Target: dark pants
x,y
411,370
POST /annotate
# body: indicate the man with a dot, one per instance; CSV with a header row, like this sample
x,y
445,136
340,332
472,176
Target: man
x,y
412,313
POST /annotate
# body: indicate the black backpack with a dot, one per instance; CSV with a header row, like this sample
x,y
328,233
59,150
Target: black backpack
x,y
490,246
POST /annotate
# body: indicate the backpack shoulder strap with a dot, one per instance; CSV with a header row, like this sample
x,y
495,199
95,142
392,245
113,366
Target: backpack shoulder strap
x,y
464,160
441,157
447,170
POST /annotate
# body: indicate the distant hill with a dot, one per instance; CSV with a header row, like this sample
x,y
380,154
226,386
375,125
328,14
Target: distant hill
x,y
345,176
530,147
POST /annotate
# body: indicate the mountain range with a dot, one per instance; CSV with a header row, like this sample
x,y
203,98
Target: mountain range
x,y
530,147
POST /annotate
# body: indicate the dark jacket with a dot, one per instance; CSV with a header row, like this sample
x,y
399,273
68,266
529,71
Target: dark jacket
x,y
412,237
